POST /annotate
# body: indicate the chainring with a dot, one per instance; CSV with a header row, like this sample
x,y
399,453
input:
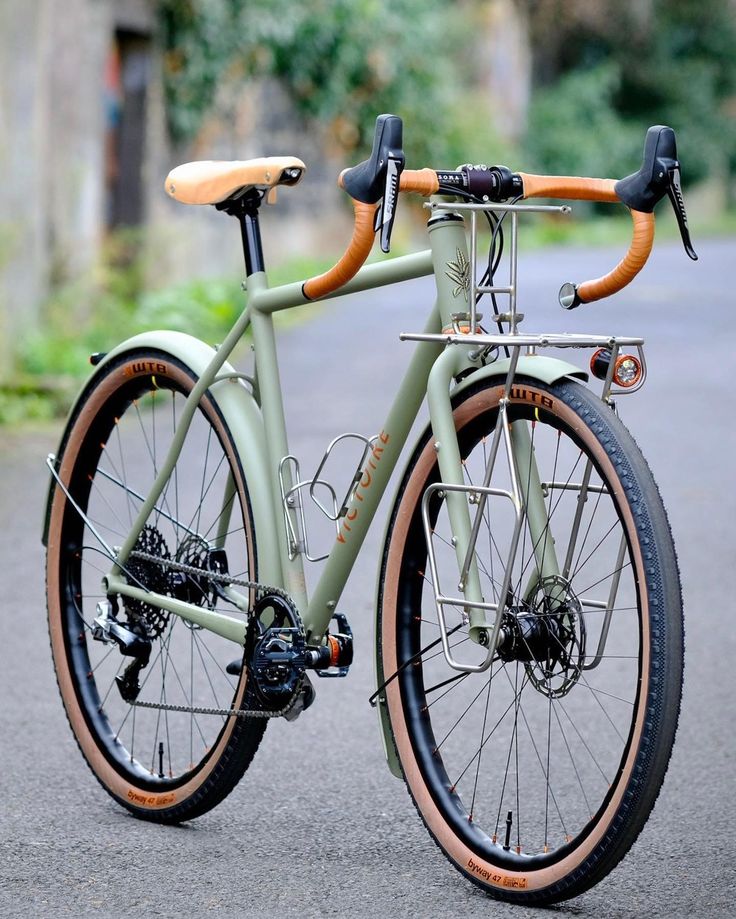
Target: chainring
x,y
274,651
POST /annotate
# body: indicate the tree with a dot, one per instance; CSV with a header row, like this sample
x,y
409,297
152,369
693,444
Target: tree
x,y
607,70
342,62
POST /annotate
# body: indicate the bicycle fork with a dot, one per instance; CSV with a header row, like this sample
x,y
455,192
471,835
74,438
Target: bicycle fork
x,y
525,494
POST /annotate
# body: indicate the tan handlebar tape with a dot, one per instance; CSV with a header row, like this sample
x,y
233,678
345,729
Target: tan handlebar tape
x,y
576,188
352,260
423,181
584,189
629,266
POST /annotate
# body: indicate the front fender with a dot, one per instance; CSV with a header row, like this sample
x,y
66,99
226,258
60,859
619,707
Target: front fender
x,y
540,367
242,415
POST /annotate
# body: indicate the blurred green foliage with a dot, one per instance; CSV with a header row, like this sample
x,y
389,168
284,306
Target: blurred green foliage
x,y
615,68
98,311
62,347
604,70
341,61
575,130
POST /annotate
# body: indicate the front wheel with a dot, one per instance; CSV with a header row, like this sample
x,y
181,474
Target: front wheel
x,y
535,776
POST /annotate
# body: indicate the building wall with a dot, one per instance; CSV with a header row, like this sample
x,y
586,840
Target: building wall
x,y
54,156
22,140
54,205
50,122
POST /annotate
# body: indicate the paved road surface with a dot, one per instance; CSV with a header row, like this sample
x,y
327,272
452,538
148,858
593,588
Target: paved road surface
x,y
318,827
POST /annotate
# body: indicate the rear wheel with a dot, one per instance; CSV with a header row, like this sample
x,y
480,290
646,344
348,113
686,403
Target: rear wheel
x,y
169,762
535,776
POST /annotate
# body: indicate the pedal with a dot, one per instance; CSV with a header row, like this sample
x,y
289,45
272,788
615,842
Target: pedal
x,y
235,668
336,655
330,660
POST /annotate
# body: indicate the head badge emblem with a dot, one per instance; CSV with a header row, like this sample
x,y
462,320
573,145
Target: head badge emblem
x,y
458,271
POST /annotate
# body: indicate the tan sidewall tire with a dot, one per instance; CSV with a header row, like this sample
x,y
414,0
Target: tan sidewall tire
x,y
484,872
120,787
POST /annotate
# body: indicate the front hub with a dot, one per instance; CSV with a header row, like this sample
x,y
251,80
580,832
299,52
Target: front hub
x,y
547,635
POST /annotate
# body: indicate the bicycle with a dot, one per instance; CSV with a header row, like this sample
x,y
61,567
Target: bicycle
x,y
529,637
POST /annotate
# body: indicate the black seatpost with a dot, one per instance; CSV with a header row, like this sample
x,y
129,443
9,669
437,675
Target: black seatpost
x,y
245,208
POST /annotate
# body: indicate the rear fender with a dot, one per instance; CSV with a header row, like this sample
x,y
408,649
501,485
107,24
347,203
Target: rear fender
x,y
242,416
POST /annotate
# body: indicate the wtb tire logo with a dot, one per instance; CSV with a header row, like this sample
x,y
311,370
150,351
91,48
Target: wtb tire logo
x,y
139,367
529,395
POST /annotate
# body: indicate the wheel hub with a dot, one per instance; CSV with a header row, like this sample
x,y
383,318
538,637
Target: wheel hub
x,y
547,635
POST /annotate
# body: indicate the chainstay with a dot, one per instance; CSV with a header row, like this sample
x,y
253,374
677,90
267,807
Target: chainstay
x,y
261,590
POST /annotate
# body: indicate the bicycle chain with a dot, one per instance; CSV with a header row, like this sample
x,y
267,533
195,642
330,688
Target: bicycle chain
x,y
226,712
261,591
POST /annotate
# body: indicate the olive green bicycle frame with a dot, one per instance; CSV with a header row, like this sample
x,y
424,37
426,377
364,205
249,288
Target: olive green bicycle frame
x,y
432,370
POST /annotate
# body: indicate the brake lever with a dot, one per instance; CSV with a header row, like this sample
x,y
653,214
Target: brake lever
x,y
674,192
386,213
659,175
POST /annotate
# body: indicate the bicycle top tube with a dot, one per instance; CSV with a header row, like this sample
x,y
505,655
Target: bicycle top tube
x,y
374,186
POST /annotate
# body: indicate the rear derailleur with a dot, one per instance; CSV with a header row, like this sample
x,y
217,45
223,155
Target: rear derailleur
x,y
133,641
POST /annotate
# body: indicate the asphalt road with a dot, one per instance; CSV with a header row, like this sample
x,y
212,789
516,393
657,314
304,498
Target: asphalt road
x,y
318,826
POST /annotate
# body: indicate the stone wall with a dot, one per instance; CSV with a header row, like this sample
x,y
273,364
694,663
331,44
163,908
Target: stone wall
x,y
51,199
54,202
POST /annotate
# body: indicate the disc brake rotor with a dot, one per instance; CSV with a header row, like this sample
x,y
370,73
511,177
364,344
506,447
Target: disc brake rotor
x,y
557,611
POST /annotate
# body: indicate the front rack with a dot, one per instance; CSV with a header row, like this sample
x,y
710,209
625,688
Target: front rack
x,y
483,346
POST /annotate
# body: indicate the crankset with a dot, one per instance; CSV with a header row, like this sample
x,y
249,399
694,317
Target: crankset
x,y
277,654
275,651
